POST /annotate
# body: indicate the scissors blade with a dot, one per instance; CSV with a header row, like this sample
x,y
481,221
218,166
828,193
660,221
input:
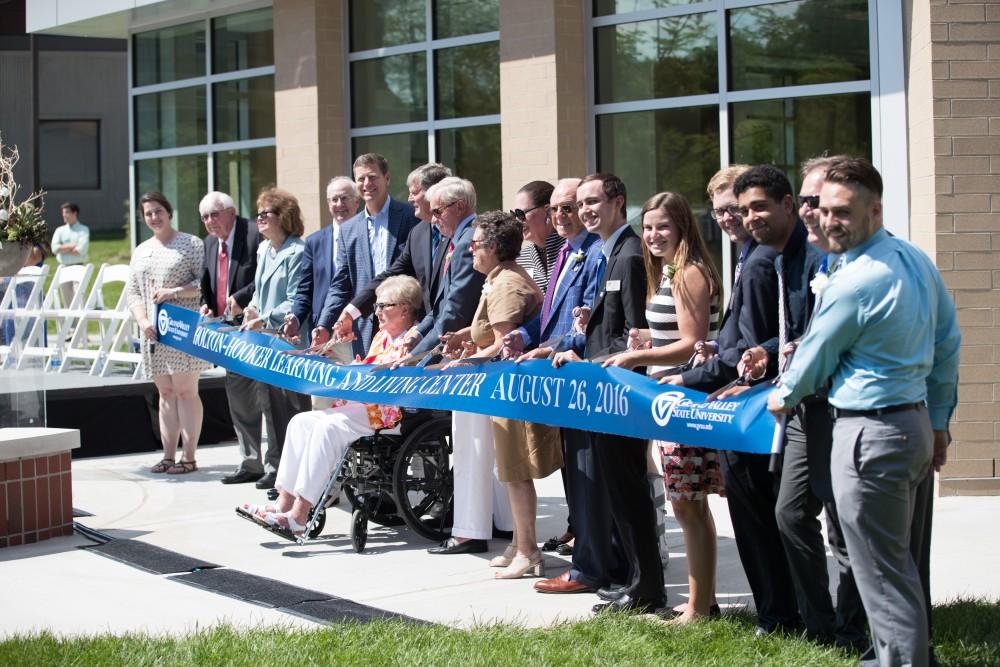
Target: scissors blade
x,y
735,383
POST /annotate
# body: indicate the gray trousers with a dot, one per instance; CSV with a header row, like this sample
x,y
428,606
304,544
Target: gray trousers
x,y
877,466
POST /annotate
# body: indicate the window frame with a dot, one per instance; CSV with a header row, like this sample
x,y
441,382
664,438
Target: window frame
x,y
99,155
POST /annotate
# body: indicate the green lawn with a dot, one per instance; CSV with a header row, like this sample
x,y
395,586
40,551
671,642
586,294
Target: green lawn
x,y
107,247
967,633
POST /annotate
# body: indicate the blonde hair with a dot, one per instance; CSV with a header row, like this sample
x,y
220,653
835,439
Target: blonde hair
x,y
724,178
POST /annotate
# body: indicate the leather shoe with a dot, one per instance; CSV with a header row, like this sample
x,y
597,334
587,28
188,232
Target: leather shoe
x,y
629,604
502,534
241,477
610,593
453,546
267,481
561,584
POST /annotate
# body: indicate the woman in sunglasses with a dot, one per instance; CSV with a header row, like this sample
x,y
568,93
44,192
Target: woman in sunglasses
x,y
541,242
682,307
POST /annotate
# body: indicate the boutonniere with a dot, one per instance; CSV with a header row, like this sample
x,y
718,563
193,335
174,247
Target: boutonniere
x,y
669,270
486,288
577,259
447,258
819,283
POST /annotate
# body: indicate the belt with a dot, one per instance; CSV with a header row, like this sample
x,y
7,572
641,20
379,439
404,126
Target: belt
x,y
878,412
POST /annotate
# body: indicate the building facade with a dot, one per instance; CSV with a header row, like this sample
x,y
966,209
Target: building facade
x,y
237,94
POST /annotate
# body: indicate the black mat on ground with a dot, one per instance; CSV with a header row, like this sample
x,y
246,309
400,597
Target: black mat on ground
x,y
337,610
78,513
250,587
149,557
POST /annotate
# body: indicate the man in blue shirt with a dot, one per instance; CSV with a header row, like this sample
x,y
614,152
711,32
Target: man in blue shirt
x,y
886,336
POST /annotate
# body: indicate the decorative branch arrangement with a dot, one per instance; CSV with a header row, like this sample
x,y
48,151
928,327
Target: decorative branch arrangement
x,y
20,222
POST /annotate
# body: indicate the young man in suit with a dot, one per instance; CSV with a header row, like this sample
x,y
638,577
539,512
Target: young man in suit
x,y
418,259
319,265
619,463
369,243
227,285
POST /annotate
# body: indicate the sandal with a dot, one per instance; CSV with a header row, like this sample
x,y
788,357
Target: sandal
x,y
182,468
163,466
255,512
284,525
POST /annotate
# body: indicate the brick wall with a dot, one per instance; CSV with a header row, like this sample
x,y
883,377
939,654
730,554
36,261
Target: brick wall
x,y
36,499
965,69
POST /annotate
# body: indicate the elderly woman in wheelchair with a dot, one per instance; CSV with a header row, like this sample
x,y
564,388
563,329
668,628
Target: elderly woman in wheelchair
x,y
318,440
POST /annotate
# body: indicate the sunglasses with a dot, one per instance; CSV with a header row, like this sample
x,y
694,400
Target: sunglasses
x,y
522,215
436,212
810,200
266,212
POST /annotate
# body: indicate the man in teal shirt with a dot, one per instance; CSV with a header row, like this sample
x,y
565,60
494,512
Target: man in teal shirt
x,y
886,336
70,244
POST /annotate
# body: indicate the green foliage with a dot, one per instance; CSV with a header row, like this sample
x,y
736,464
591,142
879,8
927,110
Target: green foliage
x,y
20,221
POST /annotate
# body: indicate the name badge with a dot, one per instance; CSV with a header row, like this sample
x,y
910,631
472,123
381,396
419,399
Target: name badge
x,y
613,286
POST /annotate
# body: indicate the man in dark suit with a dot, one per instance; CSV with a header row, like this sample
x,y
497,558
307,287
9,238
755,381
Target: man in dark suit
x,y
619,463
751,489
369,243
227,285
319,265
418,259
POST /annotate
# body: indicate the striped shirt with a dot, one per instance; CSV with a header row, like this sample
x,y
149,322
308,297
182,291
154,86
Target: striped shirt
x,y
661,313
537,265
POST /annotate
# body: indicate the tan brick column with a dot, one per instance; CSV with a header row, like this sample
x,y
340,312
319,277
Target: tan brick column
x,y
542,91
965,55
310,112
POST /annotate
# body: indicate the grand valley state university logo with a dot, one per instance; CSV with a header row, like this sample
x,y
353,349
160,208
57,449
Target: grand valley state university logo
x,y
676,406
162,321
663,406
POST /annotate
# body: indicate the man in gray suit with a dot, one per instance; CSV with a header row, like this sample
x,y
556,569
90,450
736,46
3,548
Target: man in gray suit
x,y
227,285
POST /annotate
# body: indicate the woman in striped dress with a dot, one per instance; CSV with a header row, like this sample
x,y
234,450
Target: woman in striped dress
x,y
682,308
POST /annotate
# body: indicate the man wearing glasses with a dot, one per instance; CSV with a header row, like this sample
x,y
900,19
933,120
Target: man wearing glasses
x,y
226,288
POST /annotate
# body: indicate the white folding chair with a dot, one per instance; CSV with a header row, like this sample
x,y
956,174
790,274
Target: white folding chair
x,y
82,348
55,311
15,316
120,340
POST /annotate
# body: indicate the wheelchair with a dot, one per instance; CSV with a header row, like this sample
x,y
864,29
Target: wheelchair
x,y
394,477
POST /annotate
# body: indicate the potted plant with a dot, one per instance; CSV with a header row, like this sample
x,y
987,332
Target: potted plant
x,y
21,224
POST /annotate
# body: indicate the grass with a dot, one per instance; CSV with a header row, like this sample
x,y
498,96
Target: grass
x,y
106,247
966,633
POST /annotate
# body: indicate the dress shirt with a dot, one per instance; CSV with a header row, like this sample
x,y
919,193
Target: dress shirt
x,y
378,237
76,234
609,245
886,333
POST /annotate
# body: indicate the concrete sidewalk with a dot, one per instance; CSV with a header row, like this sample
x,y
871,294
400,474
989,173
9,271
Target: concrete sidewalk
x,y
56,586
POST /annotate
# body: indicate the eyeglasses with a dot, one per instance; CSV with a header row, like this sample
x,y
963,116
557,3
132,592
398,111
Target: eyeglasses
x,y
436,212
565,209
266,212
381,305
213,215
523,215
812,201
476,243
733,211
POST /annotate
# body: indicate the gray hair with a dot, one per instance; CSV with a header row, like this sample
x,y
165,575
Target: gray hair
x,y
427,175
213,199
346,179
402,289
823,162
454,189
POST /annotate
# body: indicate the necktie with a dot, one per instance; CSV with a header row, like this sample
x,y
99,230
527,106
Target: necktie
x,y
736,274
221,280
602,264
554,281
447,258
435,238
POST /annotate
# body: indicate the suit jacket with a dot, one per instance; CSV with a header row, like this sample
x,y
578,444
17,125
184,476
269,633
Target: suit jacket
x,y
751,320
621,301
577,288
242,264
415,260
277,280
354,267
314,283
456,301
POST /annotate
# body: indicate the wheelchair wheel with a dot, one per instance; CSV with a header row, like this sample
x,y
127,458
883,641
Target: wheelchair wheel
x,y
320,523
381,510
359,530
422,480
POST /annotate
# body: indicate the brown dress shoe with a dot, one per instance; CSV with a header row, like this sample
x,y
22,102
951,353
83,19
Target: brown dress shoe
x,y
562,584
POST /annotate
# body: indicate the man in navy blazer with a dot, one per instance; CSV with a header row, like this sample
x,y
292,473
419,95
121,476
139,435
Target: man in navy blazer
x,y
418,259
369,243
319,262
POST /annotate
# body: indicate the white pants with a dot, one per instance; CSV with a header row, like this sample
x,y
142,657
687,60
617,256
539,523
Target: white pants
x,y
315,443
480,498
341,353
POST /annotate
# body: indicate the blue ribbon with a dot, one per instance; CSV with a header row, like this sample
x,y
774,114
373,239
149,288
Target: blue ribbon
x,y
576,395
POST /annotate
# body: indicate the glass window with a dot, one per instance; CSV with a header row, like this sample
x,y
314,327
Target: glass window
x,y
453,18
404,152
242,174
69,154
798,43
170,119
242,41
605,7
170,54
379,23
467,80
787,132
183,181
389,90
244,109
668,57
474,153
